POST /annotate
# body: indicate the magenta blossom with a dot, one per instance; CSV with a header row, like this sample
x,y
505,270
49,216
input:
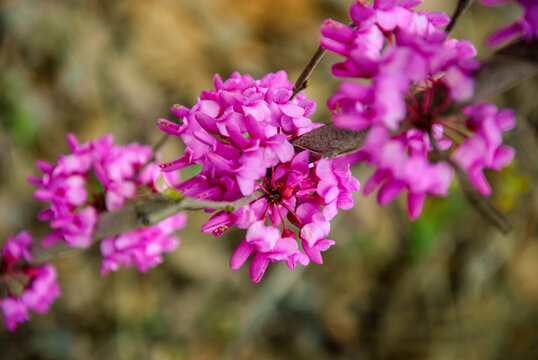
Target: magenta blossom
x,y
414,73
143,247
308,197
40,284
526,26
97,176
239,133
485,149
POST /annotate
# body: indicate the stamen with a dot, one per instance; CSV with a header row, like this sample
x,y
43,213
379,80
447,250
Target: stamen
x,y
273,177
444,105
263,188
457,131
414,113
293,213
281,218
427,101
266,211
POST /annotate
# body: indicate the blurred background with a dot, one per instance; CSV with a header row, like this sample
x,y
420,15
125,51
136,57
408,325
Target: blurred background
x,y
448,286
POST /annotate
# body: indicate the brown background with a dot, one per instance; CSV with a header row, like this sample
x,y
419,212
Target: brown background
x,y
448,286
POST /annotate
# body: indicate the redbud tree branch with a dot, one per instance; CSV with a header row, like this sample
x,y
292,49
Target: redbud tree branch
x,y
302,80
145,211
499,72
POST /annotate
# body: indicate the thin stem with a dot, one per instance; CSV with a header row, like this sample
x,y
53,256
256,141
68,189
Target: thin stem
x,y
442,107
460,9
281,218
456,130
293,213
145,211
302,81
266,212
263,189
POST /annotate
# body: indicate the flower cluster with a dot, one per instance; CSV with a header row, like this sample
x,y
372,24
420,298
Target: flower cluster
x,y
239,133
485,150
99,176
39,283
143,247
414,74
526,26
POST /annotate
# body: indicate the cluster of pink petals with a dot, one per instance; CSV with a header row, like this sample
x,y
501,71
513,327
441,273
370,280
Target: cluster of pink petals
x,y
96,176
99,176
297,192
526,26
143,247
408,61
239,133
395,47
485,149
401,164
236,132
40,285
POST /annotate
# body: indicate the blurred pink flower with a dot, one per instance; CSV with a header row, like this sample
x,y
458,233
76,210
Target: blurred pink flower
x,y
526,26
40,284
414,74
239,133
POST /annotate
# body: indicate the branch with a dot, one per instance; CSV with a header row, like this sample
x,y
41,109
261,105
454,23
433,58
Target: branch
x,y
145,211
302,81
458,12
501,71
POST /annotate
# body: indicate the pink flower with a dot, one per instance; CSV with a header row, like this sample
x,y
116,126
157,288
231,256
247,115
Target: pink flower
x,y
17,247
401,164
526,26
335,185
291,192
97,176
40,284
414,74
143,247
313,235
14,311
268,245
239,133
239,130
43,289
485,149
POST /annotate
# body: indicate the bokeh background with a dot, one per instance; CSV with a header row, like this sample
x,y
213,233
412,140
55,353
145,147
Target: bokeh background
x,y
448,286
